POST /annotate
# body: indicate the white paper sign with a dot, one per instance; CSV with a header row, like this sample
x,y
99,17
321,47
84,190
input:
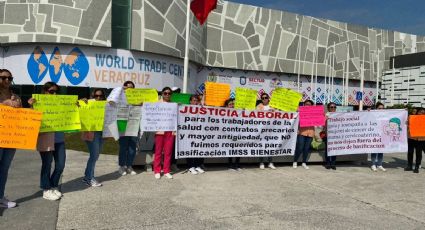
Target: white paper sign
x,y
160,116
376,131
133,121
110,128
206,132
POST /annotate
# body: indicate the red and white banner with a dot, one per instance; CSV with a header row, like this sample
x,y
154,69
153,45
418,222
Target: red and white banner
x,y
206,132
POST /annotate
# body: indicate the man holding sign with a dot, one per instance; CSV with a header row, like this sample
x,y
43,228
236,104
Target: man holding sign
x,y
127,143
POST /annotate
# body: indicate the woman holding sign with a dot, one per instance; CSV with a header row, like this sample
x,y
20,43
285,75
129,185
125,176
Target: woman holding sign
x,y
411,144
195,163
164,142
51,145
377,158
304,139
419,146
233,161
330,160
6,154
94,143
264,105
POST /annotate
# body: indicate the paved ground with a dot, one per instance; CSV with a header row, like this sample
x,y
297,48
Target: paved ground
x,y
352,197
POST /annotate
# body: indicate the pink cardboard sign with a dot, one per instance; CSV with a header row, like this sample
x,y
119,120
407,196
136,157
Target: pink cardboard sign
x,y
311,115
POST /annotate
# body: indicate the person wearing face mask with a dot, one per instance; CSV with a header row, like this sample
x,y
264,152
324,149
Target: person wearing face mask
x,y
164,142
330,160
94,143
51,146
264,105
8,98
377,158
195,163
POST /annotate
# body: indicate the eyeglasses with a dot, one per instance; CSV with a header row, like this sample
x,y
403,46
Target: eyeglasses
x,y
332,107
265,98
7,78
52,91
166,93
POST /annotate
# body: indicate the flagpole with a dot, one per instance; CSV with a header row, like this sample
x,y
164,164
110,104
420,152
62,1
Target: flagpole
x,y
377,77
299,56
312,76
362,80
315,78
326,85
332,75
347,80
186,50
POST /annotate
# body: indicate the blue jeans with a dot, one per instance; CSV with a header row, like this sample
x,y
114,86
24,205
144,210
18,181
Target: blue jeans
x,y
376,158
269,159
127,151
95,147
6,157
303,147
48,181
330,160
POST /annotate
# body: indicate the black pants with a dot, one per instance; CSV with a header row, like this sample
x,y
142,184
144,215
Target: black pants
x,y
418,146
330,160
195,162
234,162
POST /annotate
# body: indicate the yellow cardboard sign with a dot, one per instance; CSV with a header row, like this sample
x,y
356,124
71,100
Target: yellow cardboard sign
x,y
139,96
19,127
285,99
216,93
245,98
60,112
92,115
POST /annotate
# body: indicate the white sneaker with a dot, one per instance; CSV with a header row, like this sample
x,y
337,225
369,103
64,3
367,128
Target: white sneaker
x,y
50,195
168,176
57,192
295,165
131,171
193,171
5,203
262,166
157,176
305,166
122,170
271,165
382,168
373,168
199,169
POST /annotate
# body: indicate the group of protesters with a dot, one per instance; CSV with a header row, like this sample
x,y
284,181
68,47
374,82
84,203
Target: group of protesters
x,y
51,145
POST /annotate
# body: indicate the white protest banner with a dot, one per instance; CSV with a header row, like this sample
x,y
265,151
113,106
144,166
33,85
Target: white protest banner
x,y
376,131
133,121
159,117
110,127
206,132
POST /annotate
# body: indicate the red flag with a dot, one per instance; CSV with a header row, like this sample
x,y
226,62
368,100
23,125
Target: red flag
x,y
201,9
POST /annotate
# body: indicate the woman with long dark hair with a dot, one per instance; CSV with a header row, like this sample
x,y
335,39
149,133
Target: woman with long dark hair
x,y
8,98
94,141
51,146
